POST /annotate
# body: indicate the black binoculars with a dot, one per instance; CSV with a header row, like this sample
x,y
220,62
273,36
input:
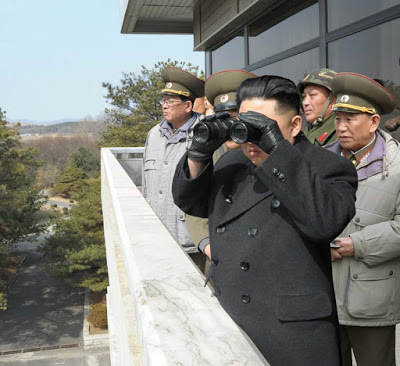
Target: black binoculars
x,y
225,129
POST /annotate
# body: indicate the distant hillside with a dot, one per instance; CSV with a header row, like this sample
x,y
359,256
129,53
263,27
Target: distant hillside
x,y
42,123
66,128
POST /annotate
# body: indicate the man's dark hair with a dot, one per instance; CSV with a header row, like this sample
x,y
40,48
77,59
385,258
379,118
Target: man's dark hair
x,y
185,99
283,90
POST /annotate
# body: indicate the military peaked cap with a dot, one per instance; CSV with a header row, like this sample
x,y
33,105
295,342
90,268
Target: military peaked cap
x,y
181,82
220,88
322,77
357,93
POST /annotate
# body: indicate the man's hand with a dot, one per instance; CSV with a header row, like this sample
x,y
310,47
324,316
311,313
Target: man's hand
x,y
346,246
335,255
202,152
271,135
207,250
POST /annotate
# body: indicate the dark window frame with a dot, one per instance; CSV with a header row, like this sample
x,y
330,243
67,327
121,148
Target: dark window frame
x,y
322,41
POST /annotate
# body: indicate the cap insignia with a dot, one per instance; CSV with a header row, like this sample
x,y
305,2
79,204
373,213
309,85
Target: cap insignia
x,y
168,85
324,73
224,98
345,98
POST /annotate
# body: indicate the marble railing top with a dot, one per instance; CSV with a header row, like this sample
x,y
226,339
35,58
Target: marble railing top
x,y
180,321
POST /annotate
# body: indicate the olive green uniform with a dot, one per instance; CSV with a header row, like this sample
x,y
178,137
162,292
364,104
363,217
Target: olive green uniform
x,y
323,134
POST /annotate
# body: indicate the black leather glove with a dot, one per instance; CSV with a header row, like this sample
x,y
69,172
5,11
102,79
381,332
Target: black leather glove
x,y
203,151
270,134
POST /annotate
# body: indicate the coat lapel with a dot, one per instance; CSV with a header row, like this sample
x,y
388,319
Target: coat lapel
x,y
245,192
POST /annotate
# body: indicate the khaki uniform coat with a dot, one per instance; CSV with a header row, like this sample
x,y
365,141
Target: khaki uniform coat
x,y
159,162
270,229
367,286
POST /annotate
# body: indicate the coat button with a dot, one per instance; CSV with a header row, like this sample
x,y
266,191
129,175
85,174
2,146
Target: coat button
x,y
355,276
252,231
357,220
217,291
166,163
244,266
275,171
246,298
282,177
228,199
275,203
221,229
214,261
180,217
160,191
391,273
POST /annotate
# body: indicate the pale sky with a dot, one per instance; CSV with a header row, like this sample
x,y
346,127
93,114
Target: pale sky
x,y
55,54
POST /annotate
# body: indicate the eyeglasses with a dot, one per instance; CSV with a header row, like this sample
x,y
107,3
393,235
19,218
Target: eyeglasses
x,y
170,102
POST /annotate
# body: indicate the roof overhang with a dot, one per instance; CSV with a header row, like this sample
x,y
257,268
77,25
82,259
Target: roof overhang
x,y
157,16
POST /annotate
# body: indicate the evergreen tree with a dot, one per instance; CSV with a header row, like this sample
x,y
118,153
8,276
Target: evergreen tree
x,y
85,160
136,104
75,252
19,194
70,181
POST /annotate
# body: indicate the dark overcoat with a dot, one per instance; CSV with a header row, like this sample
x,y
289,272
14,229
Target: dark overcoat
x,y
270,229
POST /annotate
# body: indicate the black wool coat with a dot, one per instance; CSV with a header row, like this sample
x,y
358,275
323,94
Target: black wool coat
x,y
270,229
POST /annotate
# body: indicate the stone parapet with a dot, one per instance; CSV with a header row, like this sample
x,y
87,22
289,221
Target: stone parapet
x,y
160,313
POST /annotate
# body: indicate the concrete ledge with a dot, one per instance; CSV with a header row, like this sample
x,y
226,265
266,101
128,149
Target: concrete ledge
x,y
160,313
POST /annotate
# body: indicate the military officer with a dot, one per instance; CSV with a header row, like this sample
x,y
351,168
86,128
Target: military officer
x,y
273,207
317,100
366,267
220,90
165,145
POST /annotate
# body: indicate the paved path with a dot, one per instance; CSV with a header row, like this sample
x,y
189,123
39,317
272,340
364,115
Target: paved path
x,y
41,311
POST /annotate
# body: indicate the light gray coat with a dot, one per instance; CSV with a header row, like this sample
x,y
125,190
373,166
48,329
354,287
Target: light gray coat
x,y
367,286
159,163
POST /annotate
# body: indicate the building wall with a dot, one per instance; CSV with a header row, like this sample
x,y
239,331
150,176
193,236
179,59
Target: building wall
x,y
214,14
291,38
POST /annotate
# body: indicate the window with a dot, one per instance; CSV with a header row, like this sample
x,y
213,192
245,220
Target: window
x,y
294,68
229,56
135,156
344,12
267,37
374,52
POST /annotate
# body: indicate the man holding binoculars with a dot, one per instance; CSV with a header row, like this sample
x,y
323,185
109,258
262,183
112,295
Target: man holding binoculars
x,y
273,206
220,90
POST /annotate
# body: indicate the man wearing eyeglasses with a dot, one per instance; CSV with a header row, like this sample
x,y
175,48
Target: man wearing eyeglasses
x,y
165,145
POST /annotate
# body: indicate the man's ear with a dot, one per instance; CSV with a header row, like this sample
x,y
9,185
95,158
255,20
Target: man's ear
x,y
188,106
375,120
295,125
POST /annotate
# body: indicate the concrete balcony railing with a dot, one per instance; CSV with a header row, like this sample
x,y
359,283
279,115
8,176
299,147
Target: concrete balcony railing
x,y
159,311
